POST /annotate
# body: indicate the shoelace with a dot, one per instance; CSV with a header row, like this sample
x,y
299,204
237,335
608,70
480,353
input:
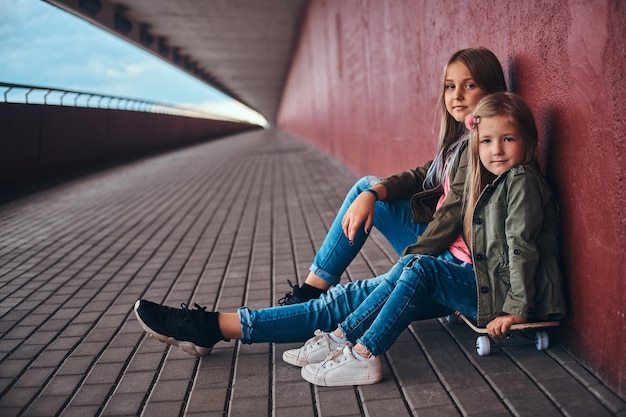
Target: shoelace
x,y
199,325
197,307
185,314
288,296
319,335
335,357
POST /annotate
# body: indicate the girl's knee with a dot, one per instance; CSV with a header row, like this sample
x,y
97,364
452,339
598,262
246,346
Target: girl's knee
x,y
366,182
419,268
396,271
414,261
407,260
424,262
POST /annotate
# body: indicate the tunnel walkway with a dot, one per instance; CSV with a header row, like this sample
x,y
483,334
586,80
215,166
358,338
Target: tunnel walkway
x,y
223,224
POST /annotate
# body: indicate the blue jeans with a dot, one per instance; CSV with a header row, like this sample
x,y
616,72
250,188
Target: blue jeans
x,y
392,219
298,322
417,288
373,311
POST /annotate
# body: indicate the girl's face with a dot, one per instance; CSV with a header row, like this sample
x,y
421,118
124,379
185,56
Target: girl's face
x,y
461,93
500,146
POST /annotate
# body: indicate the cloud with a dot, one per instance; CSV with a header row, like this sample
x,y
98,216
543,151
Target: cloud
x,y
46,46
131,71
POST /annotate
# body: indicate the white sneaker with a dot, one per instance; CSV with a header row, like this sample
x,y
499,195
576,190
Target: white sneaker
x,y
341,368
315,350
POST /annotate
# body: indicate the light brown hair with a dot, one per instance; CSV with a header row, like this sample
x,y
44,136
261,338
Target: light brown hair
x,y
515,108
487,72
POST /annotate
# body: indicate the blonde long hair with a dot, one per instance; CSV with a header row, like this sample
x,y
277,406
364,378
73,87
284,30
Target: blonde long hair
x,y
515,108
487,72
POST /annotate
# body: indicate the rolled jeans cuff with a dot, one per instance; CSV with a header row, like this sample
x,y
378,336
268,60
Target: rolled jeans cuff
x,y
328,277
246,325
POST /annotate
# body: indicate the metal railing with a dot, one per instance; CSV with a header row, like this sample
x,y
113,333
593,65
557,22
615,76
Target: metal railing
x,y
30,94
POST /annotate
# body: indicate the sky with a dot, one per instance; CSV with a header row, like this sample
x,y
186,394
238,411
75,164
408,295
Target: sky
x,y
43,45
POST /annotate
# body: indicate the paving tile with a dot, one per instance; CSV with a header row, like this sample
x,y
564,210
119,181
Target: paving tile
x,y
104,373
91,349
431,395
477,400
162,409
115,354
76,365
91,395
46,406
294,411
135,382
294,394
62,385
382,407
18,398
170,391
34,377
574,399
207,400
12,368
80,411
123,405
337,401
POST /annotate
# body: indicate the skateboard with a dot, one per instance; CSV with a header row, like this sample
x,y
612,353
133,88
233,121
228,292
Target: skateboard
x,y
528,330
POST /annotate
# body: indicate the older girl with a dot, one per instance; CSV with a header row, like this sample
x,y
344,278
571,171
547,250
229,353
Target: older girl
x,y
402,207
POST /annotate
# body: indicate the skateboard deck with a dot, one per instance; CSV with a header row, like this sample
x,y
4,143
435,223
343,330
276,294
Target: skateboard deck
x,y
484,342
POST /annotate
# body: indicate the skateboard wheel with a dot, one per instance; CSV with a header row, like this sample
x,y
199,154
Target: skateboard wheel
x,y
483,346
542,340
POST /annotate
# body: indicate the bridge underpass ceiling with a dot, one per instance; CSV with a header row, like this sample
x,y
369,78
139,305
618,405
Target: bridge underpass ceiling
x,y
241,47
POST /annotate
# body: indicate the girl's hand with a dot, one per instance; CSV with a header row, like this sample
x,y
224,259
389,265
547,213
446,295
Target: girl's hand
x,y
360,212
500,325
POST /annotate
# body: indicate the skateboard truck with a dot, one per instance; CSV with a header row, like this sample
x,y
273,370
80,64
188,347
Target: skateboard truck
x,y
484,342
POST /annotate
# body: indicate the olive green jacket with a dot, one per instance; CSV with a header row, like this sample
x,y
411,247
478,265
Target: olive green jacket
x,y
445,224
515,248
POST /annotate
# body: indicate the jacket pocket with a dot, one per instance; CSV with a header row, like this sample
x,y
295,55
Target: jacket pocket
x,y
504,275
495,220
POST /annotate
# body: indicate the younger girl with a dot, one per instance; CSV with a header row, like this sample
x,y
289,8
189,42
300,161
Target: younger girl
x,y
402,207
510,228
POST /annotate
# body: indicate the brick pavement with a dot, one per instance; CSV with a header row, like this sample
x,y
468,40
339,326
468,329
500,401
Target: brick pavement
x,y
223,224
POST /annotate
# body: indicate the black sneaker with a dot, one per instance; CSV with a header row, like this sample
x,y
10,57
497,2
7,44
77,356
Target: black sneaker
x,y
296,296
193,331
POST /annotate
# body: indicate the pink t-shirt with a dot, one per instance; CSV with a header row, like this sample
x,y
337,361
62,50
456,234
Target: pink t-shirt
x,y
458,248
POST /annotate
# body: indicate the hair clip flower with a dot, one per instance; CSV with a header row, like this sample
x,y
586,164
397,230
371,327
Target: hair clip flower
x,y
471,121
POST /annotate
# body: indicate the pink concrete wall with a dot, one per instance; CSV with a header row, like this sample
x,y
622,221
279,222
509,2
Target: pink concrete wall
x,y
365,81
39,142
